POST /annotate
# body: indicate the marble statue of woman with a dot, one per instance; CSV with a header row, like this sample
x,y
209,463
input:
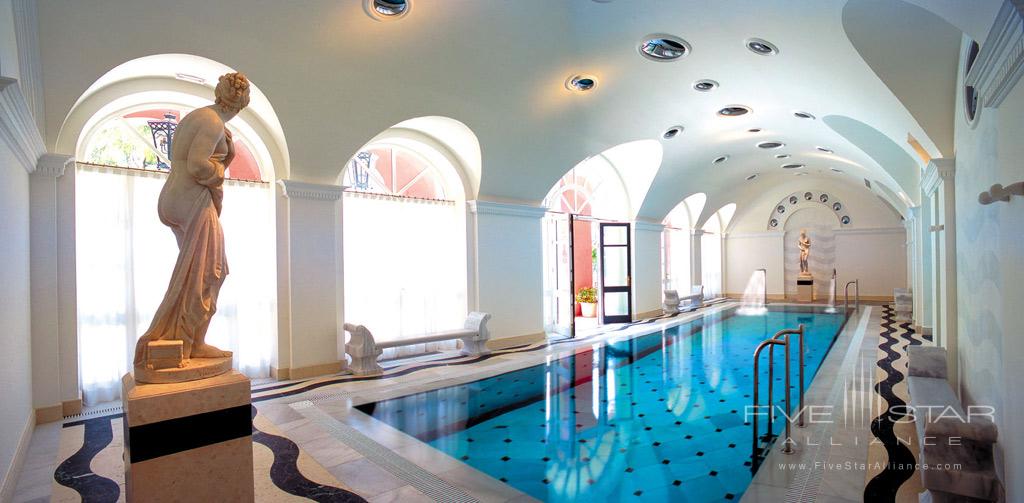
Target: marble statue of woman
x,y
190,204
805,252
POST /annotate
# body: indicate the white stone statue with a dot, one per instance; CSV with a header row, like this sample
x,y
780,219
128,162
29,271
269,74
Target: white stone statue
x,y
805,253
190,204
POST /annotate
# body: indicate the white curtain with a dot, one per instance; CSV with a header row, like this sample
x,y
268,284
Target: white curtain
x,y
405,269
124,260
711,265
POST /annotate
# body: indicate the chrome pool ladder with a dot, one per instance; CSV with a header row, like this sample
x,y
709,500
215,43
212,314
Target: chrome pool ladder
x,y
856,290
781,338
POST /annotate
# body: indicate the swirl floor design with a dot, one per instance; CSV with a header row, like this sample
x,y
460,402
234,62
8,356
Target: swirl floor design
x,y
75,472
899,465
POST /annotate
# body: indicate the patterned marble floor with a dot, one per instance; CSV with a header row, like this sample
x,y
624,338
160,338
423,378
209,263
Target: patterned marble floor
x,y
311,443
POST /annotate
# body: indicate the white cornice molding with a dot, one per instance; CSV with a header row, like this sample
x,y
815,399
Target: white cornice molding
x,y
293,189
756,235
875,230
938,170
642,225
478,206
17,127
1000,62
26,32
53,165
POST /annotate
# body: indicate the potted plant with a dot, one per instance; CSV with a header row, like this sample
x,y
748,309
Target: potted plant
x,y
587,298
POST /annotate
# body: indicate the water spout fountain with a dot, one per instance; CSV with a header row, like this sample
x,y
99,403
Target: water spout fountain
x,y
832,294
755,296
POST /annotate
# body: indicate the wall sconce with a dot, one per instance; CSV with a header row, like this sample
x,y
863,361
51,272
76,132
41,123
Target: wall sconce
x,y
999,193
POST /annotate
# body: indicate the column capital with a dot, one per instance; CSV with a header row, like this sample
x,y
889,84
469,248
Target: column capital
x,y
938,170
53,165
17,126
644,225
294,189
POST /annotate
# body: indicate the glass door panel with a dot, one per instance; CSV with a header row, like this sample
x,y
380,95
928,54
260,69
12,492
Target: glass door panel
x,y
616,282
559,303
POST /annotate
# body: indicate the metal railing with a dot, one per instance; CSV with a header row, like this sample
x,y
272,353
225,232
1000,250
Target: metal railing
x,y
781,338
846,292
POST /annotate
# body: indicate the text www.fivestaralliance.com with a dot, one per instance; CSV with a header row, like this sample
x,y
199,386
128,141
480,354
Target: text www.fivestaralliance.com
x,y
855,465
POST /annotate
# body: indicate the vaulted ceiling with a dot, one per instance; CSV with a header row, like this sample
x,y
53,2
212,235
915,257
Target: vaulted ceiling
x,y
336,77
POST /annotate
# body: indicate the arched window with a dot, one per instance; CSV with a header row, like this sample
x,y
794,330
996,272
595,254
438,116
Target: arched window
x,y
125,254
404,243
711,250
676,243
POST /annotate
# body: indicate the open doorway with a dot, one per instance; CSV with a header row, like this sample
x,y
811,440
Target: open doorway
x,y
587,253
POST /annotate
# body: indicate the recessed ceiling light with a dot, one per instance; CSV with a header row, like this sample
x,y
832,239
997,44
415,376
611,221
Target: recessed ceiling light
x,y
672,132
734,111
804,115
771,144
761,47
389,8
664,48
837,170
705,85
721,159
754,130
782,156
581,83
751,177
825,150
792,166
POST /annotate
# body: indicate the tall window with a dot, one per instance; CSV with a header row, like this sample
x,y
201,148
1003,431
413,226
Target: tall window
x,y
677,241
404,247
711,250
125,255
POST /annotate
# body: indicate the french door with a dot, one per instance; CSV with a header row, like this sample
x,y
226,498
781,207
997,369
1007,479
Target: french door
x,y
616,282
560,307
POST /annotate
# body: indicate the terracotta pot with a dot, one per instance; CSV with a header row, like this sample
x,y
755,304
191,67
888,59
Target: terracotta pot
x,y
588,309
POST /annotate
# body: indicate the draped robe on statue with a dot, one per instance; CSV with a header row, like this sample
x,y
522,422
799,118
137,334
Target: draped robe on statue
x,y
190,204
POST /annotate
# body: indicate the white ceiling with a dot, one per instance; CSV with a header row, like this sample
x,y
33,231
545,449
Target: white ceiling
x,y
336,78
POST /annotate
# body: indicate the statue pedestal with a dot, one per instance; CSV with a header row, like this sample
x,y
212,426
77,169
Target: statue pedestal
x,y
189,441
805,289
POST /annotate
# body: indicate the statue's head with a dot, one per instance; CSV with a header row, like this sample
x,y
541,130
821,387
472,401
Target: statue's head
x,y
232,92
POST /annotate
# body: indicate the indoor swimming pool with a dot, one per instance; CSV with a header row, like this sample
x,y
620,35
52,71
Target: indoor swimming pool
x,y
659,416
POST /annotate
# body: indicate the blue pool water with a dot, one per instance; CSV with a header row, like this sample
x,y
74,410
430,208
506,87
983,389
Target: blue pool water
x,y
660,417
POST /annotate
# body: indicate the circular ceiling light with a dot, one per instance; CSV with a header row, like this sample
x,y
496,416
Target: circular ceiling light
x,y
751,177
720,159
672,132
825,150
388,9
734,111
754,130
782,156
803,115
761,47
705,85
792,166
771,144
663,48
581,83
837,170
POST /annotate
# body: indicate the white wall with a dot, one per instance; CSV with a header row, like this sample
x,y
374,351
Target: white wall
x,y
15,373
647,286
507,267
990,265
872,249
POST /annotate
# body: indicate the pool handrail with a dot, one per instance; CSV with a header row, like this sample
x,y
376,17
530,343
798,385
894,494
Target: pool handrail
x,y
846,292
781,338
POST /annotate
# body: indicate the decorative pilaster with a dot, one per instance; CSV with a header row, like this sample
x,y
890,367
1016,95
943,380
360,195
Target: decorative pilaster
x,y
1000,63
26,32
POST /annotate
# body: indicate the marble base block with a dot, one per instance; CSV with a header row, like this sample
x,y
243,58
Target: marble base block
x,y
805,290
189,441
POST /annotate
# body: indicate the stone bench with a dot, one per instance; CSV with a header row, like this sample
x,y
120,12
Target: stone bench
x,y
673,302
364,350
948,435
